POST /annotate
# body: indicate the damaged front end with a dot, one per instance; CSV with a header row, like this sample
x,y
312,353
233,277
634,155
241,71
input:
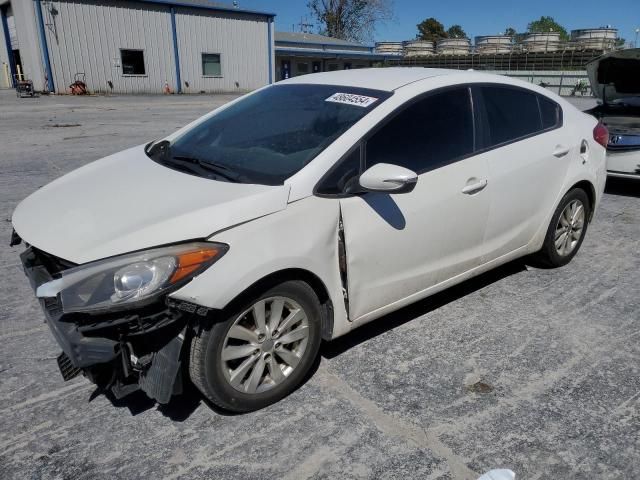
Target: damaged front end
x,y
121,344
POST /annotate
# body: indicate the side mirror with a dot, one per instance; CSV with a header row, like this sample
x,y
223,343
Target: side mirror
x,y
387,178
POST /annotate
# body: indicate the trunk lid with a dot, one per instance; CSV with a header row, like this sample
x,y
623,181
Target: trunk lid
x,y
615,79
616,75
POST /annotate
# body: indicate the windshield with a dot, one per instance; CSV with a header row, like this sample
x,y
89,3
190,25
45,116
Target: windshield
x,y
270,135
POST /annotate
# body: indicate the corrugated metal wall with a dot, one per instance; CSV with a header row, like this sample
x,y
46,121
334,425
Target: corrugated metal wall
x,y
5,72
11,29
27,36
87,36
240,39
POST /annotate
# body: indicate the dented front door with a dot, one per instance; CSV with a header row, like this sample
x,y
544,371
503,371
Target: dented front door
x,y
398,245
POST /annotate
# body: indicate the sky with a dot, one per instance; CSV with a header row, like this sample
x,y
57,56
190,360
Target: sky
x,y
478,17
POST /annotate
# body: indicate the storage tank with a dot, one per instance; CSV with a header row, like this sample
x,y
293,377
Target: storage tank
x,y
542,42
418,48
453,46
489,44
595,38
389,48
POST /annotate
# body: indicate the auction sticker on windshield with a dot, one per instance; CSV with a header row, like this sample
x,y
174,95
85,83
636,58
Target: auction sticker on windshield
x,y
352,99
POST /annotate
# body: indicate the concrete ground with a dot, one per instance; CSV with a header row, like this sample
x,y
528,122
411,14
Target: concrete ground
x,y
533,370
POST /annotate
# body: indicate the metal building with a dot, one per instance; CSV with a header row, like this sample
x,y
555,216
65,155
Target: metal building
x,y
492,44
136,46
417,48
603,38
453,46
302,53
391,48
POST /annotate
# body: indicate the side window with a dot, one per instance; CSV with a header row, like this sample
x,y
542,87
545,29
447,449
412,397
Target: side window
x,y
338,178
550,113
431,133
512,113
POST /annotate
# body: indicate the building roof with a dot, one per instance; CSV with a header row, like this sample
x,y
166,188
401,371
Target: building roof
x,y
331,53
209,5
314,39
387,79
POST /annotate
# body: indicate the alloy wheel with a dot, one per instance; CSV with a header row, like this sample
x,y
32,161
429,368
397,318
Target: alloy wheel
x,y
265,344
569,228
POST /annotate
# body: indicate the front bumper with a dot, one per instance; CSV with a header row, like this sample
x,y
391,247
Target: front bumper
x,y
82,351
121,352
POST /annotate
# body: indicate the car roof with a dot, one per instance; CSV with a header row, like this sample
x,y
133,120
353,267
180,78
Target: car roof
x,y
387,79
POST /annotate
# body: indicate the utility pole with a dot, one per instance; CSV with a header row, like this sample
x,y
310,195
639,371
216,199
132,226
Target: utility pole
x,y
305,26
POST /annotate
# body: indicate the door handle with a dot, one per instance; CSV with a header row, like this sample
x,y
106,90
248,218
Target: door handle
x,y
474,187
560,151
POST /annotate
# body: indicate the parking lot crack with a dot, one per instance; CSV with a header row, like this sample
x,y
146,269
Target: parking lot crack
x,y
397,427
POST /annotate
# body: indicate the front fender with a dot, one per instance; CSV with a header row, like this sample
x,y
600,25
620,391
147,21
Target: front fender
x,y
303,236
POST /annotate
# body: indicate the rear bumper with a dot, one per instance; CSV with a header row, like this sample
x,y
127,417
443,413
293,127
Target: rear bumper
x,y
623,163
633,176
121,352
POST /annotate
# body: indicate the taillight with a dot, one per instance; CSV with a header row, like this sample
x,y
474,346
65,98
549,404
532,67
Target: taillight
x,y
601,134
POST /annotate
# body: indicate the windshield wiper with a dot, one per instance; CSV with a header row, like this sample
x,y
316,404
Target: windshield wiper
x,y
217,168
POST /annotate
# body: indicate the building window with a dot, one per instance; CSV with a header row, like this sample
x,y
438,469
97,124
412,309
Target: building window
x,y
211,66
132,62
303,68
333,67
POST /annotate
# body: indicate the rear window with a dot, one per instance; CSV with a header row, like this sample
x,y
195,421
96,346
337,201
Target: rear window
x,y
512,113
550,113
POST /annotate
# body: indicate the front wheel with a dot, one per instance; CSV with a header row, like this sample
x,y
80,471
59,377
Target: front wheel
x,y
567,229
261,352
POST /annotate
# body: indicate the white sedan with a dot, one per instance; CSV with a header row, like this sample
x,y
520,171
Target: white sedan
x,y
227,251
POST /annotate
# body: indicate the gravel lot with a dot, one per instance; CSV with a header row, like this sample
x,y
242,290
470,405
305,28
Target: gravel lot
x,y
534,370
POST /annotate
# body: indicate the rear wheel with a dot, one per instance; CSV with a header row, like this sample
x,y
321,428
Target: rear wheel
x,y
567,229
261,352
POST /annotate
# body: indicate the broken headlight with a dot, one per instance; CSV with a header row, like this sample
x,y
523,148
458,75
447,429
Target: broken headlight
x,y
130,279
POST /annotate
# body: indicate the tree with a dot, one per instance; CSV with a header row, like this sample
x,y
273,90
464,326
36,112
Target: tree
x,y
547,24
353,20
456,31
515,36
431,29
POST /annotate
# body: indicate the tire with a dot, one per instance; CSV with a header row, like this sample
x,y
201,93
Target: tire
x,y
230,382
565,220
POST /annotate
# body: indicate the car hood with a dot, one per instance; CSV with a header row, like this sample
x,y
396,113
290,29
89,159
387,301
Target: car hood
x,y
615,75
127,202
